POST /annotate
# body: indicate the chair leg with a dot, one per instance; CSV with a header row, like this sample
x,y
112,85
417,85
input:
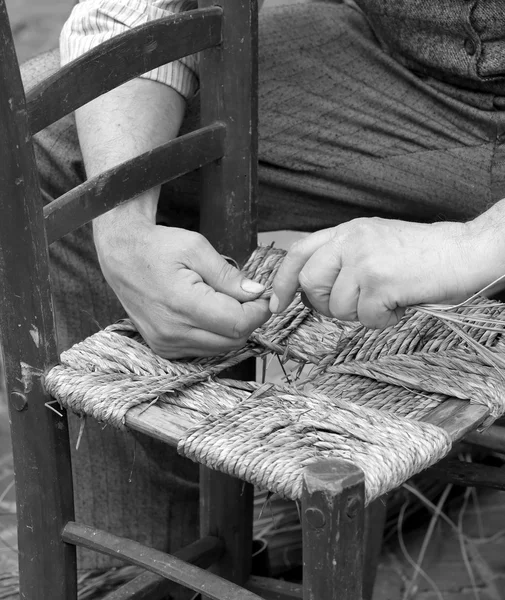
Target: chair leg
x,y
226,512
375,519
333,531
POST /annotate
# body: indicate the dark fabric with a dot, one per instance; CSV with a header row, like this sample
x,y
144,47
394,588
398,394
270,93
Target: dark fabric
x,y
462,41
345,131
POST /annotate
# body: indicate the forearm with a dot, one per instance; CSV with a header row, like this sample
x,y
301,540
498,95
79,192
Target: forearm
x,y
487,232
132,119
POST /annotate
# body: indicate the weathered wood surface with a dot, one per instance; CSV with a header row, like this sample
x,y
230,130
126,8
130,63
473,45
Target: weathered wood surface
x,y
274,589
39,436
105,191
332,530
228,88
158,421
120,59
468,474
226,511
155,561
149,586
458,417
229,79
375,520
492,438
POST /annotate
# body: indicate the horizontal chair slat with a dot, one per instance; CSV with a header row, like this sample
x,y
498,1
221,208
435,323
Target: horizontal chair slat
x,y
102,193
203,553
274,589
161,422
155,561
120,59
468,474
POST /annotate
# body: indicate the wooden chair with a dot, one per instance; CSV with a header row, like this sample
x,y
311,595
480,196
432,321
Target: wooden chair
x,y
332,513
225,149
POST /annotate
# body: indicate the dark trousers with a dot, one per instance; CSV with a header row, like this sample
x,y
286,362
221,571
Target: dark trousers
x,y
345,131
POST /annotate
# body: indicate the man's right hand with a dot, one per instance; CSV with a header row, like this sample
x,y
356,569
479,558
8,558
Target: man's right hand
x,y
183,296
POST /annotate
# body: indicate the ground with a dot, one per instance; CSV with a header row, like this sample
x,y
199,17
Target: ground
x,y
465,560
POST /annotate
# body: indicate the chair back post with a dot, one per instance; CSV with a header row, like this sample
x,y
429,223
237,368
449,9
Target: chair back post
x,y
228,83
39,436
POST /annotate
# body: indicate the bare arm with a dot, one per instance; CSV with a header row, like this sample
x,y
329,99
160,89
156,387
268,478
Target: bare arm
x,y
371,270
120,125
183,296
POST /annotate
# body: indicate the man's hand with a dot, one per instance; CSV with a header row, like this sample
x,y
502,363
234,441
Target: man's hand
x,y
181,294
184,298
370,270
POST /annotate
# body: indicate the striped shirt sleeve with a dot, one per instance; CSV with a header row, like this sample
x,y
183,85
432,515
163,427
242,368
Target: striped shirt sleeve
x,y
95,21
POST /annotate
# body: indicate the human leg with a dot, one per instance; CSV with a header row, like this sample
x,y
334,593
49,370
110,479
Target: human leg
x,y
345,131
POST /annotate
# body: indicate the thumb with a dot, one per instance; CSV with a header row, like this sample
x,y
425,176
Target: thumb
x,y
227,279
286,282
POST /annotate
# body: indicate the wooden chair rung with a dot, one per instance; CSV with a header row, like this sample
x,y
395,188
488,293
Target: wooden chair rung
x,y
150,586
274,589
169,566
492,438
120,59
468,474
102,193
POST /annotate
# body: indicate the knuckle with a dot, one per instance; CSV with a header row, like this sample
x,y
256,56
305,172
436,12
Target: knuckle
x,y
374,274
297,249
241,329
306,281
226,271
315,290
195,244
358,229
238,343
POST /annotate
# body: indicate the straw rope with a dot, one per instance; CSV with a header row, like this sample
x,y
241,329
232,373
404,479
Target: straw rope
x,y
385,381
269,440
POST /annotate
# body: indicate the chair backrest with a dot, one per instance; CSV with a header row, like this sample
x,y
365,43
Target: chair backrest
x,y
224,147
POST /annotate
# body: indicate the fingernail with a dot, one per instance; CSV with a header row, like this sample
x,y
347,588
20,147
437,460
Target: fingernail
x,y
274,304
252,287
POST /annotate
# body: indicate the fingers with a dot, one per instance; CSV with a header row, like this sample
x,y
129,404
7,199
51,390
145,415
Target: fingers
x,y
318,276
182,334
218,298
375,315
331,288
199,306
350,303
286,281
196,343
223,277
344,297
225,316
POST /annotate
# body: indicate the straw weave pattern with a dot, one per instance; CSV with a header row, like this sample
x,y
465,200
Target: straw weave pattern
x,y
362,397
269,440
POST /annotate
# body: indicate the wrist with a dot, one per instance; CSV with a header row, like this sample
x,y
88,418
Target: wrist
x,y
485,244
128,217
123,231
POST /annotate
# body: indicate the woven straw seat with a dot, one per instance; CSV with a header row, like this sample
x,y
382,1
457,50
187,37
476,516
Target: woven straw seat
x,y
392,402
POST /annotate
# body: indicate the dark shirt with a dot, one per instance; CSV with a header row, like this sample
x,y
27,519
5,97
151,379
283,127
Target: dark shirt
x,y
458,41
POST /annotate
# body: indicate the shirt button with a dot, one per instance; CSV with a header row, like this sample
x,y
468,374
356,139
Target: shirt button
x,y
470,47
499,103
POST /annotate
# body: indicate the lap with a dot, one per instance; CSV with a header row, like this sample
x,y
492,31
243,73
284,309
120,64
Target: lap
x,y
346,131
